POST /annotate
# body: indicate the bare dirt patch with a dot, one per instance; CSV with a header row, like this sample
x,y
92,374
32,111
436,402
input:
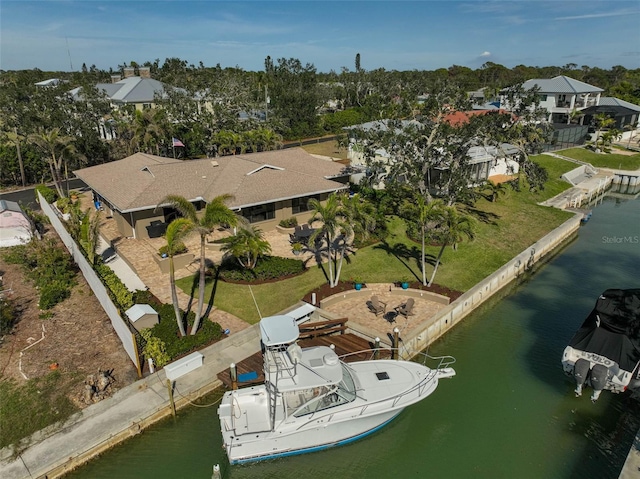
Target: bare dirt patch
x,y
78,337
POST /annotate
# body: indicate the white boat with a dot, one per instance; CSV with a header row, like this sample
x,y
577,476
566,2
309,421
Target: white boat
x,y
605,352
312,400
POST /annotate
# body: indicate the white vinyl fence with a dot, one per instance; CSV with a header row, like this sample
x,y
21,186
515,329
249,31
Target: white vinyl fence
x,y
120,325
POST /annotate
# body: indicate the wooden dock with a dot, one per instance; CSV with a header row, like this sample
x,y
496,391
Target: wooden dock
x,y
324,333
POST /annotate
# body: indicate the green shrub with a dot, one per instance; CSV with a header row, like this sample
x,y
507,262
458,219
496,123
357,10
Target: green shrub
x,y
49,266
53,293
48,194
119,292
289,222
64,204
267,268
7,316
178,249
167,331
154,348
144,297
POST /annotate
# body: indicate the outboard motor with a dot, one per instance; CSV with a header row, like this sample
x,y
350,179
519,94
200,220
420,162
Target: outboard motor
x,y
599,375
580,373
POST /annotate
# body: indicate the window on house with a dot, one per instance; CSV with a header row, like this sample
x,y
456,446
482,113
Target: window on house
x,y
255,214
300,205
146,106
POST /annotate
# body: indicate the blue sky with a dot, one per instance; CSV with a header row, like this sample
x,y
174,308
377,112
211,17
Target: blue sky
x,y
417,35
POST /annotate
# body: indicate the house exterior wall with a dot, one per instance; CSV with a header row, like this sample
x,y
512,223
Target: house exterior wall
x,y
124,227
142,219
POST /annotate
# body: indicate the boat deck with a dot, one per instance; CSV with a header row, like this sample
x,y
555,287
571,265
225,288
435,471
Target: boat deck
x,y
344,344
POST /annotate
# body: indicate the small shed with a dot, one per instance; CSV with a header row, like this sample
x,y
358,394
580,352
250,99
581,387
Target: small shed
x,y
142,316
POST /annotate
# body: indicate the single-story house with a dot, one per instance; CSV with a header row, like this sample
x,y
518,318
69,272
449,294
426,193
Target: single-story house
x,y
267,187
623,113
15,227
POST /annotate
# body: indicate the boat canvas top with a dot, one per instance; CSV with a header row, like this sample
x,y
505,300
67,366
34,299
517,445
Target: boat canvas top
x,y
612,328
298,368
278,330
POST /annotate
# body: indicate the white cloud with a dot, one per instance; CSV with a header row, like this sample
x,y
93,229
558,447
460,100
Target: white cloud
x,y
485,54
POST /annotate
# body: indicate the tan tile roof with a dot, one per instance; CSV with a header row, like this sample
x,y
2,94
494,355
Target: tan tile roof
x,y
141,181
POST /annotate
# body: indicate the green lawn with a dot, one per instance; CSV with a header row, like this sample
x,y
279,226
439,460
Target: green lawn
x,y
326,148
504,229
604,160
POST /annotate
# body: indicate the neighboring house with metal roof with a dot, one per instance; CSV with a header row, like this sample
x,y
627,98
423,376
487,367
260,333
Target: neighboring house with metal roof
x,y
138,91
561,95
623,112
267,187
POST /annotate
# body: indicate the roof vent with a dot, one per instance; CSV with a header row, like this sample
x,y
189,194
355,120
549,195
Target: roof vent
x,y
271,167
214,163
146,168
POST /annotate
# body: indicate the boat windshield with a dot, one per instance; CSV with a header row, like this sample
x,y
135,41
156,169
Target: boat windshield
x,y
343,393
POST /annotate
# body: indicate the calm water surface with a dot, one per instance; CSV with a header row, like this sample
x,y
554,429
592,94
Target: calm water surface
x,y
509,413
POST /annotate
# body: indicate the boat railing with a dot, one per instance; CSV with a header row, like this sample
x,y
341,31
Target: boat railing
x,y
441,362
361,409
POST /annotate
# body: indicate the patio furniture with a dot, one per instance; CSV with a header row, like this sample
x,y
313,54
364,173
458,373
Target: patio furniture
x,y
302,233
405,309
376,306
156,229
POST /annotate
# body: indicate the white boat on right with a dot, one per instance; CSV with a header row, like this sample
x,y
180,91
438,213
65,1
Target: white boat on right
x,y
604,353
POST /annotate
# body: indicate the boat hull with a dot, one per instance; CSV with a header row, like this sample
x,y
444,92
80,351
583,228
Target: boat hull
x,y
270,446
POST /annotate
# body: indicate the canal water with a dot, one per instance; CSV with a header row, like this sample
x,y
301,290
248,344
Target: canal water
x,y
509,413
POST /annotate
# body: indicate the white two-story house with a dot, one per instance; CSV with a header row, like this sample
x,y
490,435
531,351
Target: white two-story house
x,y
561,96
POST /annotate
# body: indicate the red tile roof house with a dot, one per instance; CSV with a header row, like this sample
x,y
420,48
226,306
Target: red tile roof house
x,y
267,187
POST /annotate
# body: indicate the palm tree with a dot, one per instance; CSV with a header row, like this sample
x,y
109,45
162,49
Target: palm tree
x,y
455,227
603,122
15,139
424,214
55,146
494,190
148,130
629,126
335,229
216,213
176,232
93,235
247,245
361,212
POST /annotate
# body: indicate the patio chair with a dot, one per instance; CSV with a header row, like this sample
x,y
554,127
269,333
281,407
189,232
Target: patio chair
x,y
405,309
376,306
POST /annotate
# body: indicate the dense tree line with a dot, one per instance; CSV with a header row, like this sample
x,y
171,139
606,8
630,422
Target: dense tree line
x,y
45,133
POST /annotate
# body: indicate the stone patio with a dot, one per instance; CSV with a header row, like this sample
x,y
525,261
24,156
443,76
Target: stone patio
x,y
354,306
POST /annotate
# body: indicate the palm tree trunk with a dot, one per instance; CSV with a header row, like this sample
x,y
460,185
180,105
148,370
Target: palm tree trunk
x,y
21,163
56,183
330,254
201,284
435,269
174,297
424,266
339,266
